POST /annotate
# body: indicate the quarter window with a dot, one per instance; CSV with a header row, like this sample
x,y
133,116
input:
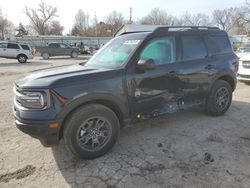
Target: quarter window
x,y
161,50
193,48
25,47
219,44
13,46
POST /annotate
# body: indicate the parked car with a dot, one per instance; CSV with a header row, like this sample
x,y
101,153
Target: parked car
x,y
16,50
244,64
58,49
132,78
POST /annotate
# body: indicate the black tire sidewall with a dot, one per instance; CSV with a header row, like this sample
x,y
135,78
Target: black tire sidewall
x,y
211,108
22,56
80,115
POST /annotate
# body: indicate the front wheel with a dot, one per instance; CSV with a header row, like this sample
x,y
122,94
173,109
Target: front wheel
x,y
219,99
22,58
91,131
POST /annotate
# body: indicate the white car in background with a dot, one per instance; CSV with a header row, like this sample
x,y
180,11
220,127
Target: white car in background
x,y
244,64
16,50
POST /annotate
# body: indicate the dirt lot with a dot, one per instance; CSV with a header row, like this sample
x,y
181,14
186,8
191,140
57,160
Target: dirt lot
x,y
188,149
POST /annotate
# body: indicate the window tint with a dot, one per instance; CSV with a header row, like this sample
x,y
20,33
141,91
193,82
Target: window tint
x,y
63,46
3,45
219,44
193,48
54,45
13,46
161,50
25,47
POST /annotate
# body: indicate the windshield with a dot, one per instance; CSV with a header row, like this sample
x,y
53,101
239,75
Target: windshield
x,y
115,53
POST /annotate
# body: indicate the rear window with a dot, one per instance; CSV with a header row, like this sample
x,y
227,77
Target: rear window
x,y
219,45
25,47
193,47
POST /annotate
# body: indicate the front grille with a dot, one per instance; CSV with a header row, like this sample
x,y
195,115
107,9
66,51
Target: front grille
x,y
246,64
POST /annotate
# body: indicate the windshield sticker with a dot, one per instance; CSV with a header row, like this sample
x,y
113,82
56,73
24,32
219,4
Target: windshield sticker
x,y
132,42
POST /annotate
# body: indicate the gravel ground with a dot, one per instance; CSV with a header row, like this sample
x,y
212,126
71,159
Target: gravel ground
x,y
187,149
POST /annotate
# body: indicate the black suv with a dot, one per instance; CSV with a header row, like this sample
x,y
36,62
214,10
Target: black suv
x,y
135,76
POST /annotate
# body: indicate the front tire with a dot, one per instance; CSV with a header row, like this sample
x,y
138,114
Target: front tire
x,y
91,131
22,58
219,99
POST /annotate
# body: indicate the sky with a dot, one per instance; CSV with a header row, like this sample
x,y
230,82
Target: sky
x,y
14,9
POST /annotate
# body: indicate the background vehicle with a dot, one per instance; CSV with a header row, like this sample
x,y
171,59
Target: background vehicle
x,y
58,49
16,50
244,64
134,77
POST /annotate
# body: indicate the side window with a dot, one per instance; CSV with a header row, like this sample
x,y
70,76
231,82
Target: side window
x,y
161,50
63,46
13,46
219,44
3,45
193,48
25,47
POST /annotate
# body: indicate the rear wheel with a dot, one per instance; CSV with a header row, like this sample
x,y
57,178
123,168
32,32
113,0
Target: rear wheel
x,y
22,58
91,131
45,55
219,99
74,54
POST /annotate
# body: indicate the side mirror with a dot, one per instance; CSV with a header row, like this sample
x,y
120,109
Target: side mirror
x,y
148,64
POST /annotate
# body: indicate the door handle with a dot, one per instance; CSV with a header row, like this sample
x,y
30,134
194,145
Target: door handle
x,y
4,49
209,67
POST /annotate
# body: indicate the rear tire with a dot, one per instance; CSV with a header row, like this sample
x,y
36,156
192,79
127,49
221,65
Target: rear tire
x,y
45,55
74,54
91,131
22,58
219,99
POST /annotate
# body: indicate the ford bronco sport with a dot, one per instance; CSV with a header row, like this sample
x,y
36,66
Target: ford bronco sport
x,y
134,77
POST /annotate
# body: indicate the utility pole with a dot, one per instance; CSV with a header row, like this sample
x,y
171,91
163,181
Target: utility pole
x,y
130,15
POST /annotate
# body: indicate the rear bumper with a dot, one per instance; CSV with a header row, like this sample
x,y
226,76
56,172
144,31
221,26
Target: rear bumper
x,y
40,130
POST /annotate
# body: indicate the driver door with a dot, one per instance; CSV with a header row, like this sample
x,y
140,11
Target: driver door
x,y
155,92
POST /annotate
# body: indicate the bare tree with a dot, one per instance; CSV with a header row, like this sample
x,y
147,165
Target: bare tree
x,y
224,19
6,27
21,30
81,24
115,20
55,28
158,17
195,19
41,17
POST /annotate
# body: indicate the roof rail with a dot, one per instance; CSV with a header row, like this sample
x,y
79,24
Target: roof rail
x,y
183,28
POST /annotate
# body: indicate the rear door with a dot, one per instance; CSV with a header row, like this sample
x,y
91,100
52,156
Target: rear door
x,y
193,69
13,50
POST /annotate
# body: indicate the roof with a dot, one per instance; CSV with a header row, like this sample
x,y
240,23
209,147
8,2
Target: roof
x,y
133,28
129,28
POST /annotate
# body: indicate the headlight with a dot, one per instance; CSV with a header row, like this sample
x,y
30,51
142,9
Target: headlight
x,y
32,99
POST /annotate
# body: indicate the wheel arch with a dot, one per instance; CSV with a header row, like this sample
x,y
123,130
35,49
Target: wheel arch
x,y
22,54
117,108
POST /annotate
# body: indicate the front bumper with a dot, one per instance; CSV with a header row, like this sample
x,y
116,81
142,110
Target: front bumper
x,y
245,78
39,129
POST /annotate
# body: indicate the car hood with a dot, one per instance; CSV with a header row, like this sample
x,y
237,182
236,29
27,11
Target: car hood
x,y
60,76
